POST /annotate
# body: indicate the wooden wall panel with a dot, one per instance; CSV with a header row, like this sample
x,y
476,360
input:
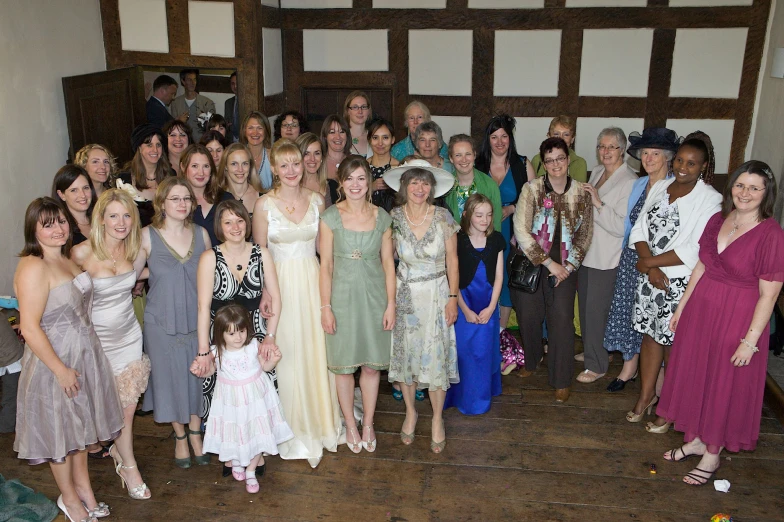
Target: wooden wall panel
x,y
655,108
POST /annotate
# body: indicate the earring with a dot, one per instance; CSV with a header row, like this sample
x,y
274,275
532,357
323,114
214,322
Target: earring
x,y
702,174
163,213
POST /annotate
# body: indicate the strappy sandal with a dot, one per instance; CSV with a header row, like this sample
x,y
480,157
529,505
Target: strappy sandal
x,y
701,479
186,462
672,452
368,445
203,459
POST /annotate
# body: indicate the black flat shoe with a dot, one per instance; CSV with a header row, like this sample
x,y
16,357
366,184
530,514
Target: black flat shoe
x,y
226,470
618,385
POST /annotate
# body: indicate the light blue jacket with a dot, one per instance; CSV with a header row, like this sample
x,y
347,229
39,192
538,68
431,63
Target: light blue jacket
x,y
637,189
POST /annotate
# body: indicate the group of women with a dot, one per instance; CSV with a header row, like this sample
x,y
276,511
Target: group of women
x,y
305,234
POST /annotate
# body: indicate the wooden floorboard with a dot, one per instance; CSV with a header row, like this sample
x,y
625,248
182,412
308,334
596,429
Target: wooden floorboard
x,y
529,458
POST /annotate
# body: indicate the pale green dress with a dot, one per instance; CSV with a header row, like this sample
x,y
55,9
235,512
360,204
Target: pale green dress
x,y
359,296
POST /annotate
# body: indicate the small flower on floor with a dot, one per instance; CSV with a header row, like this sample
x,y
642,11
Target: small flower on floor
x,y
721,517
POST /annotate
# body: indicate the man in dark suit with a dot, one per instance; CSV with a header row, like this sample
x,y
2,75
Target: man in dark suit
x,y
231,109
164,89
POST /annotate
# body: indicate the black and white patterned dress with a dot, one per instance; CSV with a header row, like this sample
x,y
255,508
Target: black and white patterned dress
x,y
653,308
247,293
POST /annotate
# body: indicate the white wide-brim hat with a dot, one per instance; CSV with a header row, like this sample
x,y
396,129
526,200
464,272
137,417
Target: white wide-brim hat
x,y
444,180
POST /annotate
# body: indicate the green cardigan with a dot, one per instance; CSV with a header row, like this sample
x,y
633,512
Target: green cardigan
x,y
578,169
486,186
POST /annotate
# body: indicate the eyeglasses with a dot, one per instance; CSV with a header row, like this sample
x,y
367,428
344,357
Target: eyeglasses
x,y
562,135
608,148
754,190
550,161
177,200
294,125
416,118
359,107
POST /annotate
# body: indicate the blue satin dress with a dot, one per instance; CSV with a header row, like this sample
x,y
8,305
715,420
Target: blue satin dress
x,y
478,351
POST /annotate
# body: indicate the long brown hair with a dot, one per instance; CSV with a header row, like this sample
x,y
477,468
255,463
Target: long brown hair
x,y
162,192
223,177
349,165
211,190
138,170
758,168
45,211
473,201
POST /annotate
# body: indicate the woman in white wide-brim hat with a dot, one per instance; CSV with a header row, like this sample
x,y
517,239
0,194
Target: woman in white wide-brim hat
x,y
424,355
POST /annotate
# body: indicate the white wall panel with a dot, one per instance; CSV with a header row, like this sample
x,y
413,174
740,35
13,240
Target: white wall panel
x,y
270,3
315,4
526,63
606,3
440,62
615,62
589,128
338,50
410,4
273,61
708,3
708,63
505,4
451,125
720,132
143,25
529,134
211,28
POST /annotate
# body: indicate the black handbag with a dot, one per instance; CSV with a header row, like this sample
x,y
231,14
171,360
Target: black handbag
x,y
523,274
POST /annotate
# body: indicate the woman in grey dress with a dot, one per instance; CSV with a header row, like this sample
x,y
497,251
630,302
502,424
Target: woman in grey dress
x,y
67,399
173,245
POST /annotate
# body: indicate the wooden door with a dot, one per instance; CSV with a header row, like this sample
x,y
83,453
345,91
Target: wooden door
x,y
104,107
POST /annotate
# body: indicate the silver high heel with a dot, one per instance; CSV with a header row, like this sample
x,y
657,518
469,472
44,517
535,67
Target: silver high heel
x,y
136,492
60,504
370,445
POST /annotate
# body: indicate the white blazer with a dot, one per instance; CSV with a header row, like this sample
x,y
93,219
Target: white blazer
x,y
694,210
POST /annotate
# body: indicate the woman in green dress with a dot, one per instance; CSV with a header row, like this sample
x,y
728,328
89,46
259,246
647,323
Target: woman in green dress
x,y
357,284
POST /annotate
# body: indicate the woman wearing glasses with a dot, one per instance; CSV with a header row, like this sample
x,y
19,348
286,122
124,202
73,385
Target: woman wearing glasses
x,y
357,112
290,125
173,245
609,187
553,225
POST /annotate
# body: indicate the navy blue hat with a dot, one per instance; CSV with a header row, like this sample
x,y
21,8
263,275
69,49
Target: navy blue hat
x,y
141,133
653,138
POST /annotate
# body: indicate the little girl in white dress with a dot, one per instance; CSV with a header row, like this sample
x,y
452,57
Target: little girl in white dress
x,y
246,418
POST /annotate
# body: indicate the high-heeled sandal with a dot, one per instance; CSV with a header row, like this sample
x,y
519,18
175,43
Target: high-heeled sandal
x,y
653,428
397,394
186,462
136,492
203,459
355,446
671,453
700,479
634,417
408,438
369,445
60,504
99,511
419,395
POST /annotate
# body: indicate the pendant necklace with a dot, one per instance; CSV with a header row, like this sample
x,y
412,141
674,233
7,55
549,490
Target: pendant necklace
x,y
243,194
405,210
736,226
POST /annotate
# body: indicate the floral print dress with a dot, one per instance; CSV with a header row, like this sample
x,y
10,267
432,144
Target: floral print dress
x,y
423,345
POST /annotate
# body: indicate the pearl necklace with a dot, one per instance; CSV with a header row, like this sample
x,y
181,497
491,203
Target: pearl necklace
x,y
405,211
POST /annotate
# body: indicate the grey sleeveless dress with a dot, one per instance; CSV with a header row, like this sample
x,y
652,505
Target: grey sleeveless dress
x,y
173,393
49,425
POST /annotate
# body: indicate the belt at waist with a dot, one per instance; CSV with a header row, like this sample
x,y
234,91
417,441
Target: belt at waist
x,y
404,302
357,254
239,382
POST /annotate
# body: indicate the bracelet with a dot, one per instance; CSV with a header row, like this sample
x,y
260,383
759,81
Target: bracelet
x,y
569,269
325,306
452,295
547,262
270,334
202,354
754,349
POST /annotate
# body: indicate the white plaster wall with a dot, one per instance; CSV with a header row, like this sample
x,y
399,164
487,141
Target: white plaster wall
x,y
526,63
451,125
708,3
211,28
40,42
768,139
505,4
143,25
273,61
439,62
410,4
314,4
339,50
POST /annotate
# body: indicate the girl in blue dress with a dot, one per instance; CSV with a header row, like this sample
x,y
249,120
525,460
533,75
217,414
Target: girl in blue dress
x,y
480,257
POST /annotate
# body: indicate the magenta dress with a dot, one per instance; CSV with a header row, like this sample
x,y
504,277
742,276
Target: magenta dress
x,y
704,394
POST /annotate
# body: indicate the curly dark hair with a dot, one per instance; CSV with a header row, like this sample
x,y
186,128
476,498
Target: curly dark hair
x,y
303,123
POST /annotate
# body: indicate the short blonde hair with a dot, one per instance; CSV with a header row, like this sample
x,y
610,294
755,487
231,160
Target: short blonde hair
x,y
97,229
564,121
82,156
162,192
284,149
416,103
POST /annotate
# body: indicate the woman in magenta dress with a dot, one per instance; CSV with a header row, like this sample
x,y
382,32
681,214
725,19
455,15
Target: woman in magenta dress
x,y
715,380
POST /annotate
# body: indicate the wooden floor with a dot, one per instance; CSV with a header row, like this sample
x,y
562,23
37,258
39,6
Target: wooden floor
x,y
528,459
